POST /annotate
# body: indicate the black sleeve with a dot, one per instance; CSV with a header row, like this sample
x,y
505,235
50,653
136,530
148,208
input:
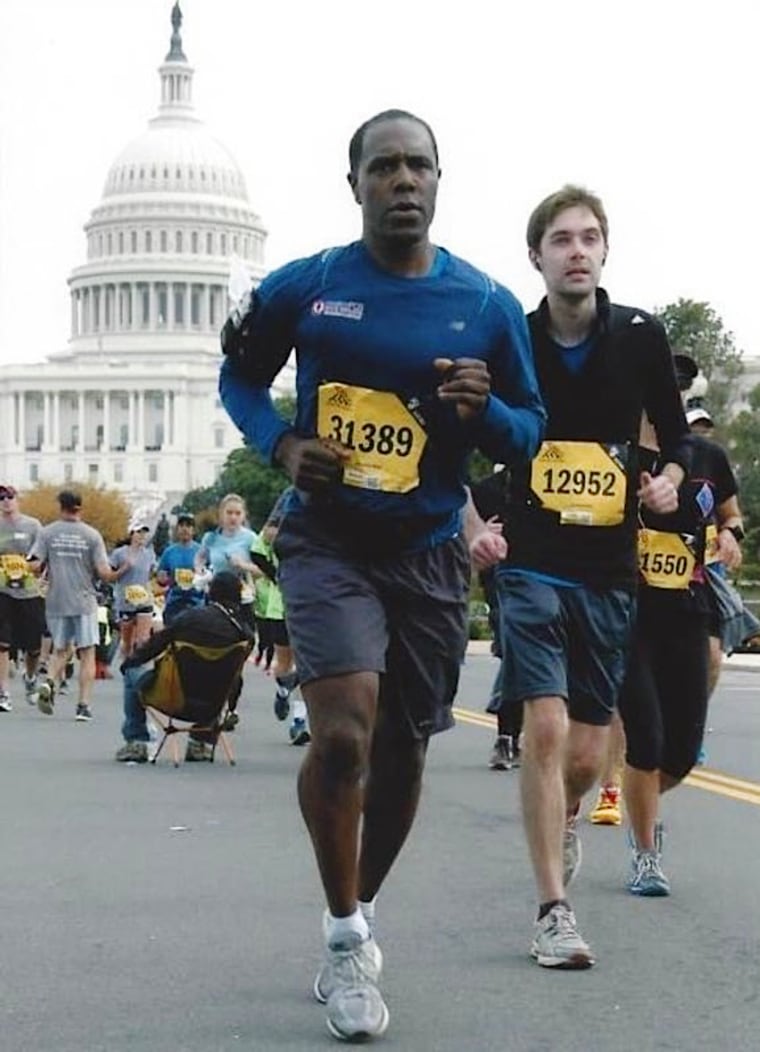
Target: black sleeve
x,y
725,480
662,401
266,566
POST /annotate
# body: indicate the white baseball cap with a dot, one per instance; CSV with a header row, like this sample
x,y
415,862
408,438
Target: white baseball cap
x,y
693,415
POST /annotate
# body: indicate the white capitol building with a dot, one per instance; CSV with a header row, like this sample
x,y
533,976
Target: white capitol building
x,y
132,403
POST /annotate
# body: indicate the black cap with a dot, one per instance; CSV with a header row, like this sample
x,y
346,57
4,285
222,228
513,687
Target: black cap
x,y
225,588
185,516
69,500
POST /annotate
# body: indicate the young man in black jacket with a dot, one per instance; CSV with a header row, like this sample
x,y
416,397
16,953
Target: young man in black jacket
x,y
567,586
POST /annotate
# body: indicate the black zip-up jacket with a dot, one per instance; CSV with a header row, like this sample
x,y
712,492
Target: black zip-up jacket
x,y
209,626
629,370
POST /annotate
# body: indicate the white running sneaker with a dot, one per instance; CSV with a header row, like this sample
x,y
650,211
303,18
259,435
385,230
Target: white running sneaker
x,y
46,697
357,1012
30,690
350,962
558,943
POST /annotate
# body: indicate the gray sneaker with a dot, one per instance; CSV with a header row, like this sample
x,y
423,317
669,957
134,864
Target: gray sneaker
x,y
46,697
30,690
558,943
647,878
572,853
5,702
132,752
357,1012
351,962
504,755
198,752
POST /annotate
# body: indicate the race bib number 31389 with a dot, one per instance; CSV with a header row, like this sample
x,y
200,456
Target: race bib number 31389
x,y
384,439
584,482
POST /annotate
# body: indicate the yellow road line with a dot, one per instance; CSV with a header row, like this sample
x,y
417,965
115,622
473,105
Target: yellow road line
x,y
723,790
479,719
700,778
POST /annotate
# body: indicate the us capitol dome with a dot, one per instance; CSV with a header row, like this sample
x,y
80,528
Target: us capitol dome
x,y
132,402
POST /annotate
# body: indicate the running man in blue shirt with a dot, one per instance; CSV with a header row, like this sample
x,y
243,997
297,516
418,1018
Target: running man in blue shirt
x,y
408,359
176,570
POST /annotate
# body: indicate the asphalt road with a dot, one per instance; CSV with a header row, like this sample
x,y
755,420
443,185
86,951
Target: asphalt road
x,y
155,909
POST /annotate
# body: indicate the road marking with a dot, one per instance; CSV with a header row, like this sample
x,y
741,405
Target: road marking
x,y
479,719
700,778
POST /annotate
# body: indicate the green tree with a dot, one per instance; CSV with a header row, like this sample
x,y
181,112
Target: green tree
x,y
744,446
105,509
697,330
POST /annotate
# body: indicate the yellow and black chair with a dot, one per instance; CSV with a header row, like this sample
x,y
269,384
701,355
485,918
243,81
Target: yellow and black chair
x,y
195,685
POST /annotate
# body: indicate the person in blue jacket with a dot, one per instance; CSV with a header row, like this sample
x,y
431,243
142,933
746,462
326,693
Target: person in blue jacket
x,y
408,358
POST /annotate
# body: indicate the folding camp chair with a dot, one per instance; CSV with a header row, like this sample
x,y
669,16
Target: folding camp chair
x,y
195,685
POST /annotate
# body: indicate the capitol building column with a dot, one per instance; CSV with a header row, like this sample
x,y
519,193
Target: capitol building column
x,y
47,420
140,409
105,445
80,422
56,420
204,291
167,441
22,419
132,431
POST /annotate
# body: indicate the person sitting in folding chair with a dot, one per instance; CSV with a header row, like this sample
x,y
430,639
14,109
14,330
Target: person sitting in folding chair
x,y
197,675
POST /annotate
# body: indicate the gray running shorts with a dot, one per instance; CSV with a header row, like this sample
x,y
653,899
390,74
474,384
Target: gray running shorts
x,y
568,642
403,615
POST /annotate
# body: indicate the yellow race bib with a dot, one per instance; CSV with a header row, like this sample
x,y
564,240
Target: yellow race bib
x,y
712,552
15,567
184,578
138,595
584,482
15,572
665,559
385,440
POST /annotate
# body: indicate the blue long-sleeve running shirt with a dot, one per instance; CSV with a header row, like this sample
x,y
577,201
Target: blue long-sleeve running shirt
x,y
359,331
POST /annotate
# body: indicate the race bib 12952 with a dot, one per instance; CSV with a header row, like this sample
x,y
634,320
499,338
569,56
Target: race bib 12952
x,y
584,482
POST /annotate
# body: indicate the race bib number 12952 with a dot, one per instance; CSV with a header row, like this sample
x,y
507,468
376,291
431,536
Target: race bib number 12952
x,y
584,482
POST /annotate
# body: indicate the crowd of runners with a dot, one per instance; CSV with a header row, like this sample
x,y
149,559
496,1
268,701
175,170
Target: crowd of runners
x,y
65,600
602,540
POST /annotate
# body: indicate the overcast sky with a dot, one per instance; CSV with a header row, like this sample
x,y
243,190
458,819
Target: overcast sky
x,y
654,105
